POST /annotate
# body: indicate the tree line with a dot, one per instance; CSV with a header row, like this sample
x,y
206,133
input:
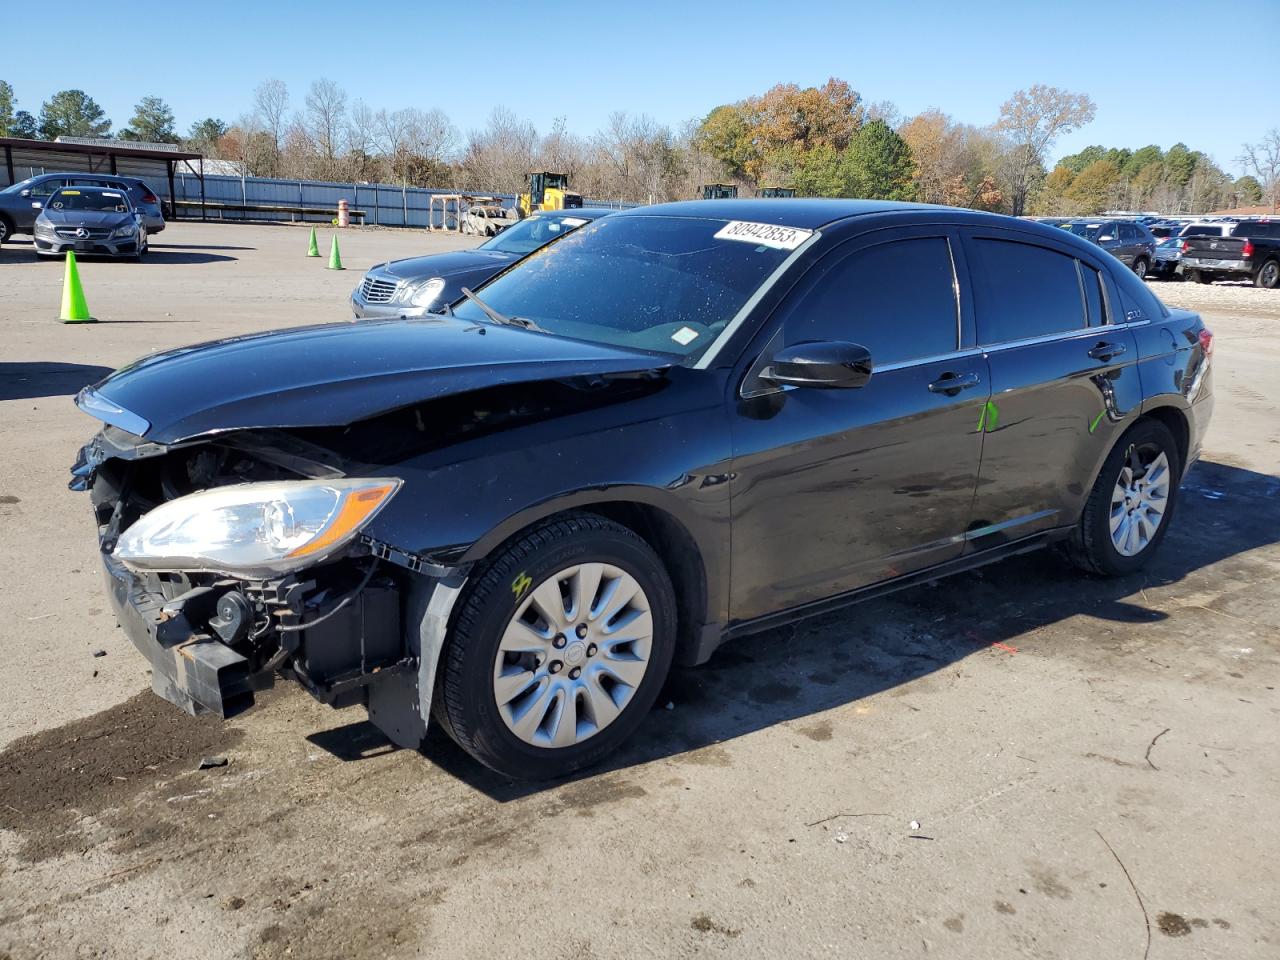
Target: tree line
x,y
821,141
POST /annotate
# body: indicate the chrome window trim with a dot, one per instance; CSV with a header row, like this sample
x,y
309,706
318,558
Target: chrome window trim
x,y
1073,335
712,352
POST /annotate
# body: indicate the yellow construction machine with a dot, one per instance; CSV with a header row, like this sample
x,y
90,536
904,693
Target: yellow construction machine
x,y
548,191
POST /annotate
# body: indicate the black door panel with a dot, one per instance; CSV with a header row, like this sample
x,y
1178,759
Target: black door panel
x,y
836,489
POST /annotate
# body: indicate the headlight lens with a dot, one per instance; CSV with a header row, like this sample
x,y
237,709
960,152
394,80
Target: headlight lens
x,y
127,230
254,529
426,294
44,229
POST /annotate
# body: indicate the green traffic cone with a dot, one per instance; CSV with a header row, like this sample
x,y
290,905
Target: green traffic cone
x,y
335,259
314,249
74,308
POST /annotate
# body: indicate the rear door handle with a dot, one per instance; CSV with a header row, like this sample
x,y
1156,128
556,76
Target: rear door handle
x,y
953,383
1105,350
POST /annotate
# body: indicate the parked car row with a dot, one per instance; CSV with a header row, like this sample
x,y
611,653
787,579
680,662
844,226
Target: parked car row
x,y
644,434
22,202
1202,250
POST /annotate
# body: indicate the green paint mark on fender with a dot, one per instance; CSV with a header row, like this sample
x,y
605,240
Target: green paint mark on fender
x,y
989,418
1097,420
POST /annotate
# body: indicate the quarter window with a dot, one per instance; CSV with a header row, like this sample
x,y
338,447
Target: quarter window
x,y
1024,291
897,299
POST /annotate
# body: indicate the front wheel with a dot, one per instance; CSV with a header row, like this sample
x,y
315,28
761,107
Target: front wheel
x,y
559,649
1129,509
1268,275
5,230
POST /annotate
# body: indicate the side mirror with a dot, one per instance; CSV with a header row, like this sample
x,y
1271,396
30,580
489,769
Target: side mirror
x,y
831,364
1107,238
25,193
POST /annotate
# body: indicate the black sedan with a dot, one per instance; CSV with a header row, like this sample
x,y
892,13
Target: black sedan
x,y
416,286
680,424
92,220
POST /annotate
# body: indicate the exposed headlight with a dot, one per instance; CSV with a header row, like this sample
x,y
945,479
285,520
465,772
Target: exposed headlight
x,y
128,230
254,529
425,295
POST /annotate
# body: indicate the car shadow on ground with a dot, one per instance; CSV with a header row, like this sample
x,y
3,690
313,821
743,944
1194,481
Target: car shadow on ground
x,y
160,255
158,245
24,381
795,671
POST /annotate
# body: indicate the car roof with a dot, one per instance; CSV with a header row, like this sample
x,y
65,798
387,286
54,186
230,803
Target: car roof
x,y
805,213
91,188
590,213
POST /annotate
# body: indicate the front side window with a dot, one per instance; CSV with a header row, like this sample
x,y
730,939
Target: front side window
x,y
897,299
46,187
1024,291
661,284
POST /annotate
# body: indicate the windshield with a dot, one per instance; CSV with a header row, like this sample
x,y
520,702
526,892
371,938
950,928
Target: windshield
x,y
19,186
1202,230
528,235
662,284
102,202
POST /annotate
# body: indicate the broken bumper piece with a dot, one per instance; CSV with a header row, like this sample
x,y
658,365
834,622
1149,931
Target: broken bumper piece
x,y
195,672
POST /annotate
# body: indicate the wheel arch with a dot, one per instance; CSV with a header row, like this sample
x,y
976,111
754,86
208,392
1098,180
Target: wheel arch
x,y
1176,421
689,560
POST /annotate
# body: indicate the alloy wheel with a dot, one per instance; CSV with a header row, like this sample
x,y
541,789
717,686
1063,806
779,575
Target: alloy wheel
x,y
573,655
1140,499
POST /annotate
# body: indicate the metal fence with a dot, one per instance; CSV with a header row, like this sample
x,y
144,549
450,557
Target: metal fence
x,y
383,204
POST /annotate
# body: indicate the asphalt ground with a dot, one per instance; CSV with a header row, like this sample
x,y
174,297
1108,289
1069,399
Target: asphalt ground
x,y
1016,762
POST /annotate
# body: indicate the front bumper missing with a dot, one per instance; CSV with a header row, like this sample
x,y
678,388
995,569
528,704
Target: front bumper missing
x,y
193,671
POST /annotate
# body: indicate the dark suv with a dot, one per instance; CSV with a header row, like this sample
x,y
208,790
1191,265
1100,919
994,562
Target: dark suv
x,y
1129,241
22,202
677,425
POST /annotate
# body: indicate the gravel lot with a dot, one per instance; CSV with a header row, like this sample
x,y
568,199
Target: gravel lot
x,y
1015,762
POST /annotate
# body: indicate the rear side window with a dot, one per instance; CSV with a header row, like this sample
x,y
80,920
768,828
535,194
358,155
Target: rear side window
x,y
1024,291
1091,284
897,299
1206,230
1128,233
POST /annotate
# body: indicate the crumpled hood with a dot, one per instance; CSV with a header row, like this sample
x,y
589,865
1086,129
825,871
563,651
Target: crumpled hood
x,y
86,218
336,374
445,264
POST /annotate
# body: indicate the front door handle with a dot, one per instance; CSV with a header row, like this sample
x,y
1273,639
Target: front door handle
x,y
1105,350
952,383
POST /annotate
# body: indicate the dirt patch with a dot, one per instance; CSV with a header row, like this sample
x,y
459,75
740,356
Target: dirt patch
x,y
704,924
53,779
818,732
1173,925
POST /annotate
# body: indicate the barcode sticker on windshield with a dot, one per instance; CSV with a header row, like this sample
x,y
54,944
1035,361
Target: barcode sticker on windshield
x,y
764,234
685,336
572,221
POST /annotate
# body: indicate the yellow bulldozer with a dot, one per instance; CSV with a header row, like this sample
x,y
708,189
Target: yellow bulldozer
x,y
548,191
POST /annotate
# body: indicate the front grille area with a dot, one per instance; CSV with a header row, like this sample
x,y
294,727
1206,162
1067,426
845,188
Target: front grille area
x,y
377,290
95,233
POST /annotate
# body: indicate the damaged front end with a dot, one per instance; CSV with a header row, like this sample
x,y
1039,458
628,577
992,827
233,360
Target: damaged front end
x,y
243,579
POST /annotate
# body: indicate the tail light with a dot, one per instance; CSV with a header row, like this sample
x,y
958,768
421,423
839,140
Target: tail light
x,y
1206,342
149,197
1186,246
1246,250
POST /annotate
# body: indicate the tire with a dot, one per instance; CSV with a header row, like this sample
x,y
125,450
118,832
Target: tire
x,y
1093,547
6,230
515,737
1140,267
1268,275
1200,277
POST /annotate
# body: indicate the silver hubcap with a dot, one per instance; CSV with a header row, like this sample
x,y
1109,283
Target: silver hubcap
x,y
1141,268
1139,501
1268,272
573,655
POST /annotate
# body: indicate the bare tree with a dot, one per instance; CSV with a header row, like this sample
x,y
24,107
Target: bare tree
x,y
326,117
501,156
1032,120
1263,159
270,105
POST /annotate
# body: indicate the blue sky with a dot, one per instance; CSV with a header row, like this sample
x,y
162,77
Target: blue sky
x,y
671,60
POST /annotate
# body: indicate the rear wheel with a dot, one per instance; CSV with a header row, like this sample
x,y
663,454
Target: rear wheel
x,y
559,649
1268,275
1140,267
1129,509
6,230
1200,277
